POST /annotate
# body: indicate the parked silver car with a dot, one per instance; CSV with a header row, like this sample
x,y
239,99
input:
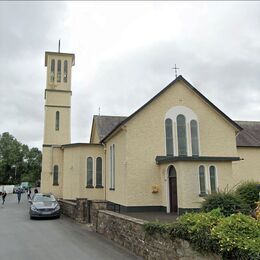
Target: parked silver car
x,y
43,206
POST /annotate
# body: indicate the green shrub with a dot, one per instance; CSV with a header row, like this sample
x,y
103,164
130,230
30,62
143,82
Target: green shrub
x,y
227,201
249,192
238,237
196,228
156,227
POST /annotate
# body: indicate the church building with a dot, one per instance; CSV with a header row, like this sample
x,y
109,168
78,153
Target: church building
x,y
166,156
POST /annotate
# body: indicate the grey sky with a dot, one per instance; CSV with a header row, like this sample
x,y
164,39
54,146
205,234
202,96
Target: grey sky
x,y
124,55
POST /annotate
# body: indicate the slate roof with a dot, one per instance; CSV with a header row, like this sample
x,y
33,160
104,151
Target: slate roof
x,y
105,124
250,135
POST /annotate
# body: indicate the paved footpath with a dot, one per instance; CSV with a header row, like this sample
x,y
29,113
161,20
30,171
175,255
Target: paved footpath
x,y
50,239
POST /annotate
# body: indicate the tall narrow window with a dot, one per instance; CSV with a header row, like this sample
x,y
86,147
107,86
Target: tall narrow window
x,y
212,176
65,71
112,167
57,121
181,132
89,172
99,172
59,71
56,175
194,137
52,70
169,139
202,180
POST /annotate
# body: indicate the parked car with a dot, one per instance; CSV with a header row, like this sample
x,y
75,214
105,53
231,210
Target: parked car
x,y
44,205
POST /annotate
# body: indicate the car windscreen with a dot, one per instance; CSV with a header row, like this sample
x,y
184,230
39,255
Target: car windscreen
x,y
40,198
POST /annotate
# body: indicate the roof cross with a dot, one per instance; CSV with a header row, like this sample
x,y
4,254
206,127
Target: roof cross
x,y
175,68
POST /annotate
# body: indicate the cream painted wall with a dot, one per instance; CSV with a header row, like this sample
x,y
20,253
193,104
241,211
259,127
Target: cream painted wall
x,y
94,137
146,139
75,173
249,168
121,169
188,181
52,156
62,136
54,98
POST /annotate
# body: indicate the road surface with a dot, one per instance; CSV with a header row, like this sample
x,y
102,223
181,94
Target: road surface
x,y
51,239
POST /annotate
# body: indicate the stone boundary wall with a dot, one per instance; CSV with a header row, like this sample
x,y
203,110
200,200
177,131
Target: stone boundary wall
x,y
74,209
129,233
68,208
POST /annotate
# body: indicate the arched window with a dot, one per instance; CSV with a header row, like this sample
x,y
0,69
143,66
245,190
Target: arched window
x,y
212,176
89,172
181,132
169,138
56,175
52,70
194,137
59,71
65,71
99,172
57,121
202,179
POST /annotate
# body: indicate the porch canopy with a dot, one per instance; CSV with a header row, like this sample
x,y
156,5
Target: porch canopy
x,y
170,159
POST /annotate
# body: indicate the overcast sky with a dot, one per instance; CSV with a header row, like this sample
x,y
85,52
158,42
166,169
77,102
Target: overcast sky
x,y
125,52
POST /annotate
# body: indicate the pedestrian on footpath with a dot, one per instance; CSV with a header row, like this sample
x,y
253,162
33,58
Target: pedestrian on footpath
x,y
3,197
19,193
29,193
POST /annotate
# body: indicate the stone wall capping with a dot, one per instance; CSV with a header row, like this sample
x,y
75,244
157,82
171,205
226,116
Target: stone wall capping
x,y
124,217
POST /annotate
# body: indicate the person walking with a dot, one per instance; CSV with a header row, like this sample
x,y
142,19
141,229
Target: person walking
x,y
19,193
29,193
3,197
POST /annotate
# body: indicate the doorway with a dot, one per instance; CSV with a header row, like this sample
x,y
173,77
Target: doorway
x,y
173,199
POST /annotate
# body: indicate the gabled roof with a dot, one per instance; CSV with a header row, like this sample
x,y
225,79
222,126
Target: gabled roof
x,y
250,135
179,78
105,124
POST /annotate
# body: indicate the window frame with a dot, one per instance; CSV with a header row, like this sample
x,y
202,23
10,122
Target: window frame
x,y
194,139
65,71
169,139
59,71
55,180
216,179
52,71
182,151
112,167
99,179
90,184
57,121
201,193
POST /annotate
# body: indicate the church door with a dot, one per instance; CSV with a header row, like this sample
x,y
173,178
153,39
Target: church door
x,y
173,190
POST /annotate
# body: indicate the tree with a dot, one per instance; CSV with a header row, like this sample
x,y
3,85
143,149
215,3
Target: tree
x,y
17,161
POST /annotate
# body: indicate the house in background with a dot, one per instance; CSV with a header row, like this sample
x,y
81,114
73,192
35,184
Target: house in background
x,y
174,150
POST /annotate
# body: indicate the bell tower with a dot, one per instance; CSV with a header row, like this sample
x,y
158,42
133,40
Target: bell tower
x,y
57,113
58,98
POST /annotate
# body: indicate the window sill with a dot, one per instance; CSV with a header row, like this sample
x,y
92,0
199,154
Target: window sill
x,y
111,188
203,195
99,187
55,184
89,186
